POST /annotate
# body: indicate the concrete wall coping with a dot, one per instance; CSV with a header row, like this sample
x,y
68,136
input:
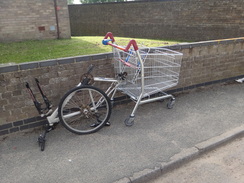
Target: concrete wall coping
x,y
125,2
52,62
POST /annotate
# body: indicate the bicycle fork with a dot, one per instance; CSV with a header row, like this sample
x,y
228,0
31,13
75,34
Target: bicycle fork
x,y
42,111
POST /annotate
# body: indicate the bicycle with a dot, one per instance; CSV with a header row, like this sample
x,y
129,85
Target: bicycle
x,y
139,73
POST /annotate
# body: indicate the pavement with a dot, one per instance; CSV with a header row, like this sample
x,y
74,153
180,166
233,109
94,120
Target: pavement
x,y
160,141
222,165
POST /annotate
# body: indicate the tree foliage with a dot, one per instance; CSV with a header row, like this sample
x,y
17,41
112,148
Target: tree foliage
x,y
70,1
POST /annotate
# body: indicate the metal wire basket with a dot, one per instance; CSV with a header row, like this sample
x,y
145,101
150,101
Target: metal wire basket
x,y
161,70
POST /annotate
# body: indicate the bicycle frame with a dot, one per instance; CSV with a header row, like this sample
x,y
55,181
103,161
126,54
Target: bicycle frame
x,y
110,92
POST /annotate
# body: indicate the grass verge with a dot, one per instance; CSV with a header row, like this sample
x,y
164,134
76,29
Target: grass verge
x,y
27,51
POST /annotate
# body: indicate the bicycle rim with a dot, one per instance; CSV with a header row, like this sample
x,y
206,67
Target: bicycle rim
x,y
84,110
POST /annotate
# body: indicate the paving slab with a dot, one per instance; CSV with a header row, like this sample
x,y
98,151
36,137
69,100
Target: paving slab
x,y
122,154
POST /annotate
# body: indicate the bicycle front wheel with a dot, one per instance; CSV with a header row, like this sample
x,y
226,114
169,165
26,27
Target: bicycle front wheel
x,y
84,110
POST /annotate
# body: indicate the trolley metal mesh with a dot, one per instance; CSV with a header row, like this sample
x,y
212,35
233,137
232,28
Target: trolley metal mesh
x,y
161,70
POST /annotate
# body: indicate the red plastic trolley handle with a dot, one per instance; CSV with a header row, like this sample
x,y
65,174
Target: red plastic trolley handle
x,y
110,35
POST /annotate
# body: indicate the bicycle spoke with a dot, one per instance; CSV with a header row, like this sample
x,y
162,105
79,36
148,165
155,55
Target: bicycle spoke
x,y
82,107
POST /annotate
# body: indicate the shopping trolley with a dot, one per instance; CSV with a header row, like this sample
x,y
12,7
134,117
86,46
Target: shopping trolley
x,y
147,72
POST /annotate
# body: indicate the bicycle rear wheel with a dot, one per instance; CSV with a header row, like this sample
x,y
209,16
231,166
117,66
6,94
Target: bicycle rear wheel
x,y
82,107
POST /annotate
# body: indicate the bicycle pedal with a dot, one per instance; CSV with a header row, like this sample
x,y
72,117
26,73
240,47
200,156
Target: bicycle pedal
x,y
94,124
41,139
50,128
107,123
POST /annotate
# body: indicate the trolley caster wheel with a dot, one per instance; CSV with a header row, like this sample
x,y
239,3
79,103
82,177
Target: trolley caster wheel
x,y
170,103
41,141
129,121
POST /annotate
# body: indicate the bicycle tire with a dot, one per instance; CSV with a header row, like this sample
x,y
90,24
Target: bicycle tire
x,y
83,106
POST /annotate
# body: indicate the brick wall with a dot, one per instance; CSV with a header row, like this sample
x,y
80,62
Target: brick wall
x,y
203,63
33,19
195,20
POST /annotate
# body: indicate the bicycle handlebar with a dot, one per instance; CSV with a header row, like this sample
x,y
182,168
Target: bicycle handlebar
x,y
110,35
